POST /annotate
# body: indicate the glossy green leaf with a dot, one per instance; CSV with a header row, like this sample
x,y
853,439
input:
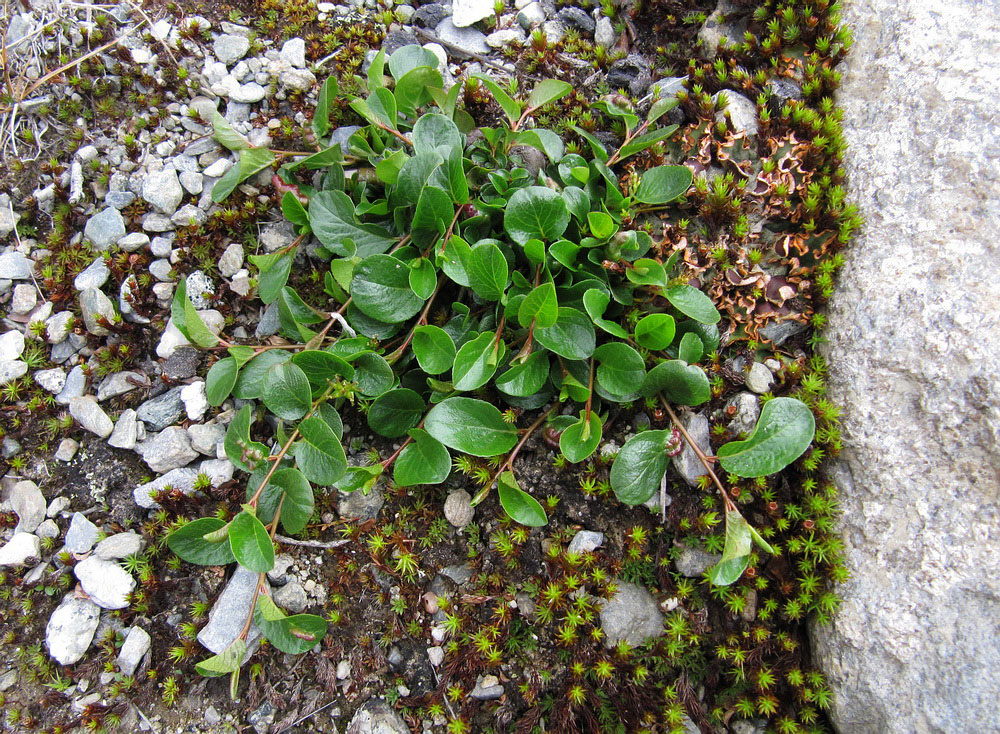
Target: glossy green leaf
x,y
226,184
783,432
595,302
319,455
389,167
601,225
321,115
520,506
646,141
545,140
271,281
360,477
395,412
487,270
547,91
431,217
251,543
382,104
226,662
187,319
639,467
331,417
655,331
477,361
680,383
286,391
226,134
690,348
735,553
423,277
437,133
293,635
220,380
293,210
527,378
646,271
321,368
188,542
535,212
372,374
663,183
434,349
406,59
581,439
250,383
242,354
471,426
577,201
539,305
412,90
572,336
245,453
728,572
510,108
381,289
621,369
297,504
332,218
452,262
693,303
596,146
425,461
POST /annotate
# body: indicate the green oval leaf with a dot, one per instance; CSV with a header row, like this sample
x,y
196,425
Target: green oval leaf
x,y
245,454
395,412
436,133
250,543
679,382
527,378
735,554
319,455
471,426
646,271
477,361
655,331
518,504
535,212
292,635
541,305
220,380
434,349
595,302
425,461
582,438
621,369
640,466
784,431
572,336
372,374
487,270
297,505
548,90
381,289
693,303
423,277
690,349
321,368
286,391
663,183
226,662
188,543
250,383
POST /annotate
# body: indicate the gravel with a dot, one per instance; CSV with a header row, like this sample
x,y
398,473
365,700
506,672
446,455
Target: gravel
x,y
91,416
105,228
106,583
22,549
82,534
94,305
169,449
71,629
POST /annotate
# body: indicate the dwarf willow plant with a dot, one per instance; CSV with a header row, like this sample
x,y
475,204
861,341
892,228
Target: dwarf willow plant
x,y
539,293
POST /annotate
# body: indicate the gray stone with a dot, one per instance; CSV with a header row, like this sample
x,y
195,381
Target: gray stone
x,y
120,545
15,266
282,562
430,15
91,416
531,15
293,52
67,450
585,541
687,463
180,479
182,364
57,505
22,549
506,37
11,345
781,331
745,409
162,270
218,471
117,384
163,410
105,228
24,299
723,23
466,12
693,562
189,215
261,718
163,191
460,573
361,506
458,509
912,348
12,369
247,93
53,380
82,534
71,629
632,74
76,384
741,111
192,182
47,529
212,716
375,717
604,32
168,449
119,199
759,378
156,222
292,597
577,18
229,49
94,276
631,615
467,40
57,327
94,304
127,295
126,431
27,501
136,645
106,583
200,289
231,260
205,438
487,688
225,621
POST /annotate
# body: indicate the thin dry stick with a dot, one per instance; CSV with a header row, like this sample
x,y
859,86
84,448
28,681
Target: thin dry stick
x,y
699,453
312,543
